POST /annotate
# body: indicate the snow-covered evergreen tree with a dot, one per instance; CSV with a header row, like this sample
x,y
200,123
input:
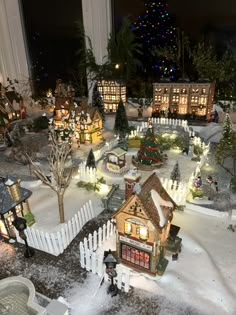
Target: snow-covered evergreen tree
x,y
175,174
97,101
121,126
91,160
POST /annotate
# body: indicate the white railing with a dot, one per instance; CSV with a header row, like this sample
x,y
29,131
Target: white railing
x,y
142,126
93,261
87,174
178,192
55,243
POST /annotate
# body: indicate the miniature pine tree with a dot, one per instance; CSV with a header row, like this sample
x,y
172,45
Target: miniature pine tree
x,y
227,130
91,160
121,122
175,174
97,101
149,152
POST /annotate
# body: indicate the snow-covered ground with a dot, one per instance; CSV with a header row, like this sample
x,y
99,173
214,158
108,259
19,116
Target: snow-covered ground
x,y
203,277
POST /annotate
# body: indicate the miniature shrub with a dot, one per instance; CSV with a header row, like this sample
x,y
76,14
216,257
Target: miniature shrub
x,y
197,193
30,219
197,150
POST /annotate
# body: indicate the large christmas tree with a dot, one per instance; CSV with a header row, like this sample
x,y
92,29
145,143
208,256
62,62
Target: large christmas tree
x,y
149,152
155,29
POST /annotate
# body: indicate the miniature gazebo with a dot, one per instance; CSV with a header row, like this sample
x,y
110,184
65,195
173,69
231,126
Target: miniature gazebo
x,y
116,161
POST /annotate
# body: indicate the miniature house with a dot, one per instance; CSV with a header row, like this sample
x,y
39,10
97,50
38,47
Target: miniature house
x,y
116,161
143,224
184,98
112,91
13,202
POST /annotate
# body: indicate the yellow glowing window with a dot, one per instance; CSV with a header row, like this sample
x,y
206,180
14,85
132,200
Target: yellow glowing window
x,y
143,233
128,227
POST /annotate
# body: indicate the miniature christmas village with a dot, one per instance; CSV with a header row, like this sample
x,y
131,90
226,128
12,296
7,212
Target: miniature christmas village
x,y
116,204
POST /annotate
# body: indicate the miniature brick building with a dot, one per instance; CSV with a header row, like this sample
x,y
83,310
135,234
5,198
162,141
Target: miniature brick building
x,y
143,224
183,98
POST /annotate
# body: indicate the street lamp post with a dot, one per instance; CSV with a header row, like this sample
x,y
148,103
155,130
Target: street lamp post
x,y
110,263
20,225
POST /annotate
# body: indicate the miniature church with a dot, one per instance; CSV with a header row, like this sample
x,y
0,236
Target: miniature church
x,y
143,224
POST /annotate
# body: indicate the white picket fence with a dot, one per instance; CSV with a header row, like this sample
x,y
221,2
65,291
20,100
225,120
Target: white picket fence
x,y
107,147
56,243
177,192
200,164
140,129
92,261
87,174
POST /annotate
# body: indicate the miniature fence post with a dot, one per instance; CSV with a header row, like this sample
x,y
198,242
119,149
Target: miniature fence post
x,y
104,232
95,240
82,255
90,241
94,258
88,259
108,229
99,236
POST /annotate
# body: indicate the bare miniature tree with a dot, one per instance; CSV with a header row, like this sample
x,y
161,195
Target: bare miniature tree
x,y
61,176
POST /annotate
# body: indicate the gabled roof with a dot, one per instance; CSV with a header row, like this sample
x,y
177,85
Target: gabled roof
x,y
91,110
117,152
152,183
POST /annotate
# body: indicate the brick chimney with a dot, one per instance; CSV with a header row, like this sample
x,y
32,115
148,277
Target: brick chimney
x,y
13,189
131,179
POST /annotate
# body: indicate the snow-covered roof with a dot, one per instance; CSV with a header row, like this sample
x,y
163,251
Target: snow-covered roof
x,y
117,152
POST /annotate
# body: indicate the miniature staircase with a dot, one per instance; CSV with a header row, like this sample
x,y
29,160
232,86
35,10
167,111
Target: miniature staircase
x,y
116,199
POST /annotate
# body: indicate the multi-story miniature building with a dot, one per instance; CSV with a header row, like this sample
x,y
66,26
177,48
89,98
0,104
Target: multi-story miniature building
x,y
112,91
182,98
143,224
79,122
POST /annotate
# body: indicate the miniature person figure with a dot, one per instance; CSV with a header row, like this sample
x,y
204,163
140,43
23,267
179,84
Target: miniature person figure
x,y
198,182
140,111
216,117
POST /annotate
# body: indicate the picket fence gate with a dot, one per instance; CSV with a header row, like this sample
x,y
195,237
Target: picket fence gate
x,y
178,192
55,243
92,261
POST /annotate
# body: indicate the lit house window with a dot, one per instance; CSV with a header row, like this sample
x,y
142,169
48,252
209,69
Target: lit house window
x,y
158,98
175,98
165,90
195,91
183,100
176,90
158,90
184,91
143,233
128,227
203,91
194,99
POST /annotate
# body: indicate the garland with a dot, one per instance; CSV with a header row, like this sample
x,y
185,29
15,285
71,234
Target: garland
x,y
148,149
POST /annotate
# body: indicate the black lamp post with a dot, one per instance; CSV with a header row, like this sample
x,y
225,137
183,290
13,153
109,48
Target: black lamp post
x,y
20,225
110,263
